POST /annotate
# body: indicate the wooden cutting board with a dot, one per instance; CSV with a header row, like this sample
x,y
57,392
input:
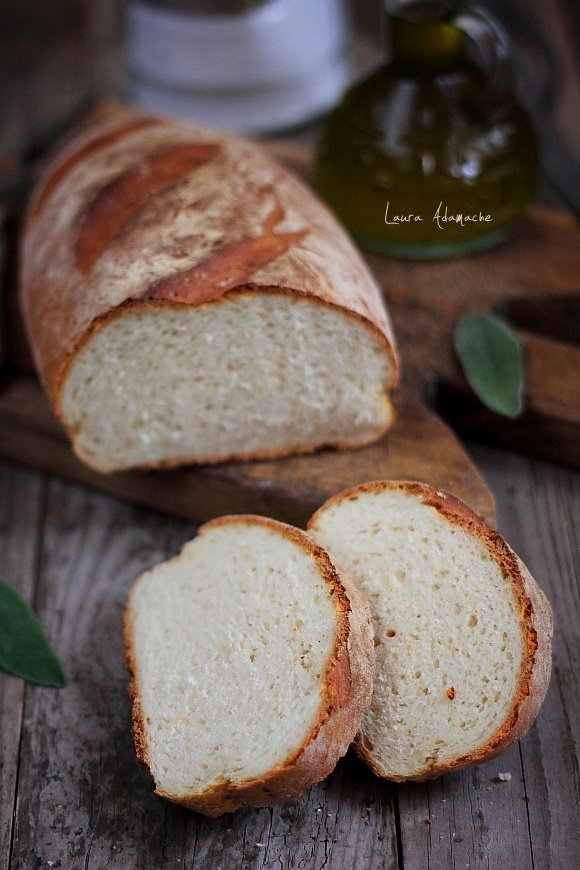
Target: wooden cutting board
x,y
425,300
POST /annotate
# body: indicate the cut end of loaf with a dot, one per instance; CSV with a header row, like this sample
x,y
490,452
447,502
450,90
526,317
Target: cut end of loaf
x,y
252,375
236,648
462,659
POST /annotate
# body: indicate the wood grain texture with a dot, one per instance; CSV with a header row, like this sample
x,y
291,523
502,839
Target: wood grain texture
x,y
84,802
539,510
83,799
21,515
477,821
78,778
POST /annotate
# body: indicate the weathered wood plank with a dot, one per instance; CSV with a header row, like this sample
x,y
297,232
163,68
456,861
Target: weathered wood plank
x,y
83,801
476,821
532,821
21,513
539,507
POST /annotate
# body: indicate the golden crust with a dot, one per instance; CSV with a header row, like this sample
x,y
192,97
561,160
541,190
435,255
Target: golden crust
x,y
535,621
346,692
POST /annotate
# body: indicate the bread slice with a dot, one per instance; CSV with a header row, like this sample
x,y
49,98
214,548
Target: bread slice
x,y
251,661
187,299
462,631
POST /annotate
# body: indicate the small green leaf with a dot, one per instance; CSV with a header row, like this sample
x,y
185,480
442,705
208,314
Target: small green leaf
x,y
491,356
24,649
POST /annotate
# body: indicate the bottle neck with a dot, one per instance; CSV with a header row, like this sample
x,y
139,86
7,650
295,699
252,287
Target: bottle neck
x,y
420,36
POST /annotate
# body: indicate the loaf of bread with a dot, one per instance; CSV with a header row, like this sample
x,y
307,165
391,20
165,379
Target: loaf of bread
x,y
187,299
251,660
462,631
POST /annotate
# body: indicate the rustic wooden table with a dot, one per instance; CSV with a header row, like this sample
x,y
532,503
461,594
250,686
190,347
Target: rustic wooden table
x,y
72,795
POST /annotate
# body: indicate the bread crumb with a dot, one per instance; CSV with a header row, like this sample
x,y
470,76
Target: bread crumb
x,y
504,777
450,692
426,821
262,845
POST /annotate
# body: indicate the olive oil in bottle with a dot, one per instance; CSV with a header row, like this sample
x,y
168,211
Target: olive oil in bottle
x,y
430,156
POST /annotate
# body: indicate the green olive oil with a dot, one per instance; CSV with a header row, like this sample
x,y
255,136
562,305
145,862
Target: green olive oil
x,y
425,158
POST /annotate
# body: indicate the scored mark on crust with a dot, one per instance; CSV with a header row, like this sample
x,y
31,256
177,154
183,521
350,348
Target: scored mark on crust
x,y
126,195
106,138
229,266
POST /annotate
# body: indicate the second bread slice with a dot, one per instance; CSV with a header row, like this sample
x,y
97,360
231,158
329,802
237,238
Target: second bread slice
x,y
462,631
251,660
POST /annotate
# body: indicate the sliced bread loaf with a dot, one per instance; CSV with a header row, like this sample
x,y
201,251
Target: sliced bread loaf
x,y
187,299
251,661
462,631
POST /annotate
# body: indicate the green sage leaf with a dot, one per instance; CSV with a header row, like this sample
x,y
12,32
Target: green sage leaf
x,y
24,649
491,357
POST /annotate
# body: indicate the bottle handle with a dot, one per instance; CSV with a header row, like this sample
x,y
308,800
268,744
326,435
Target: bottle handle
x,y
491,47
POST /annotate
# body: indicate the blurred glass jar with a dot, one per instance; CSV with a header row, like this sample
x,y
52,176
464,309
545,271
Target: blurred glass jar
x,y
431,156
257,66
